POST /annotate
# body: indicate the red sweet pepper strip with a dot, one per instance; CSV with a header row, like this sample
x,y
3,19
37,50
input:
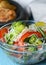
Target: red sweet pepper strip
x,y
27,34
2,32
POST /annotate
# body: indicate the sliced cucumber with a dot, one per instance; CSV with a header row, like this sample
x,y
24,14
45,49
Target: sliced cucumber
x,y
16,23
20,28
32,39
38,42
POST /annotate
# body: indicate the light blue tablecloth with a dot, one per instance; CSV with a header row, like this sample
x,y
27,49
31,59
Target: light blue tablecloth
x,y
4,60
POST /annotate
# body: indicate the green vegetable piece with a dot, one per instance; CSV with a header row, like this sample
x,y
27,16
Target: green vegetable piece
x,y
11,35
6,37
16,23
32,39
38,42
10,42
42,32
20,28
31,49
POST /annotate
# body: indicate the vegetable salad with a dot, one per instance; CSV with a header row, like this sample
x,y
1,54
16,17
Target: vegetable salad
x,y
27,37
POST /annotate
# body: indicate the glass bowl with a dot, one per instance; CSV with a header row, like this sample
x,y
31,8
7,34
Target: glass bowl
x,y
23,57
